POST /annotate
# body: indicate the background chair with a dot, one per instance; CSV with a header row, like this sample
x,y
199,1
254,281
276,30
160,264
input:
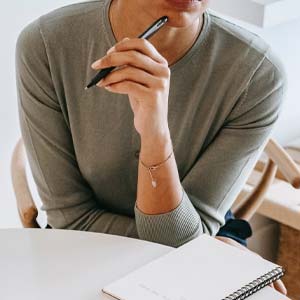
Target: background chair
x,y
281,203
27,209
280,165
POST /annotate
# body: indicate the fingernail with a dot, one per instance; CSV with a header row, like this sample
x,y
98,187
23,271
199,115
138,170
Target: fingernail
x,y
96,63
100,83
112,49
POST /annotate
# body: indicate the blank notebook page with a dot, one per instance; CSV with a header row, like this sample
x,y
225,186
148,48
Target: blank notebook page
x,y
203,267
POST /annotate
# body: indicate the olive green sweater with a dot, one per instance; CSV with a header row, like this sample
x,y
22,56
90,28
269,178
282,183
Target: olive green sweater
x,y
225,96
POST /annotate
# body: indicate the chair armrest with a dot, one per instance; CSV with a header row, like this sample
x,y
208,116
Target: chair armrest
x,y
285,163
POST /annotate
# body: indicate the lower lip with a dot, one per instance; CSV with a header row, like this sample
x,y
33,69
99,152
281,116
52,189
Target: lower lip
x,y
183,4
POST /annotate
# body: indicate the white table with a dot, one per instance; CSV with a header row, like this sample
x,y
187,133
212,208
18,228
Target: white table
x,y
38,264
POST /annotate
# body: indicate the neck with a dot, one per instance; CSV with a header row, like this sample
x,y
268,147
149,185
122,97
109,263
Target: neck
x,y
171,42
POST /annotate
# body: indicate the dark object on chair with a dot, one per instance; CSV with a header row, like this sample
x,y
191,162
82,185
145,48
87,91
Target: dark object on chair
x,y
236,229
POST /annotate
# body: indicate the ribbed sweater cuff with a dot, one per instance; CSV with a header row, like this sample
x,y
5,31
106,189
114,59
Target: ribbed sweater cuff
x,y
173,228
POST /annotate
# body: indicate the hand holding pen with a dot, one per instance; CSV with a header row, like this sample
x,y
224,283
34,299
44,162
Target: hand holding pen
x,y
144,75
145,35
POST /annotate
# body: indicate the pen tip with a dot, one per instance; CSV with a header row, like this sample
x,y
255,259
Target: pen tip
x,y
86,88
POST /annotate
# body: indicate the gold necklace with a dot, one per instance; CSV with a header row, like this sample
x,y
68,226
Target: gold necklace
x,y
111,18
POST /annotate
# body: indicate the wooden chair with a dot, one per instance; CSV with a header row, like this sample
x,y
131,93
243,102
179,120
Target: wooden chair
x,y
280,165
278,159
27,209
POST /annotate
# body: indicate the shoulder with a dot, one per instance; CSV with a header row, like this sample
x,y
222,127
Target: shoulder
x,y
72,18
254,73
238,35
59,25
251,55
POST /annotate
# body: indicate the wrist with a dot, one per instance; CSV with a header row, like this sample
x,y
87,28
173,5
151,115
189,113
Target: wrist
x,y
157,137
155,148
159,133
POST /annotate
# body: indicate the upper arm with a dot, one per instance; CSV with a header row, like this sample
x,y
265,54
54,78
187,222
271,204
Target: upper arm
x,y
47,138
221,171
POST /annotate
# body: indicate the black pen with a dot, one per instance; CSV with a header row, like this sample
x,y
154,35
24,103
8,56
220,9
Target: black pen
x,y
145,35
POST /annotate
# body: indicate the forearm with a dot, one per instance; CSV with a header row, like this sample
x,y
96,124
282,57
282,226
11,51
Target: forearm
x,y
163,214
168,192
88,217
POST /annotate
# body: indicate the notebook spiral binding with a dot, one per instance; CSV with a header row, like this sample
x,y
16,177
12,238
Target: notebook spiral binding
x,y
256,284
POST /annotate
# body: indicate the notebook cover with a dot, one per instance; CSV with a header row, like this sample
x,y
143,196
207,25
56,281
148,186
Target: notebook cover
x,y
203,267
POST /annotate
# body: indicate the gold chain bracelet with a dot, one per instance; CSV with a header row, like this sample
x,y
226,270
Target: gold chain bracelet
x,y
154,167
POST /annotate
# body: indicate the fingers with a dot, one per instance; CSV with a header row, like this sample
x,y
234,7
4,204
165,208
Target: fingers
x,y
277,285
135,82
280,287
140,45
231,242
141,71
135,89
131,74
132,58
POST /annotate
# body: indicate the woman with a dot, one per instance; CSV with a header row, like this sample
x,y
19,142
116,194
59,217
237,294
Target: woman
x,y
199,99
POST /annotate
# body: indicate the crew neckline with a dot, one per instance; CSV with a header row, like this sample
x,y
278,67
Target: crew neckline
x,y
200,39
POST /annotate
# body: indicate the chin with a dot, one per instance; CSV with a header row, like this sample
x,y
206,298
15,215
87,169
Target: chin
x,y
181,17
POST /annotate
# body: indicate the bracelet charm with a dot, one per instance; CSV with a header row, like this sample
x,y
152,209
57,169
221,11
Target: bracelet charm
x,y
154,167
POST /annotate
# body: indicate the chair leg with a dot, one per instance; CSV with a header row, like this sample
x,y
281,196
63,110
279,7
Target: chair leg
x,y
251,203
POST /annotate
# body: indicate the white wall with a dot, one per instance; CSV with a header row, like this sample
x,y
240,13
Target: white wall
x,y
285,40
15,14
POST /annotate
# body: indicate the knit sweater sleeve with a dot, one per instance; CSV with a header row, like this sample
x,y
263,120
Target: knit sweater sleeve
x,y
219,174
66,196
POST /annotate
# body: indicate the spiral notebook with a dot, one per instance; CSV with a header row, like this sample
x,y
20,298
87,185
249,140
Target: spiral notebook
x,y
204,268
